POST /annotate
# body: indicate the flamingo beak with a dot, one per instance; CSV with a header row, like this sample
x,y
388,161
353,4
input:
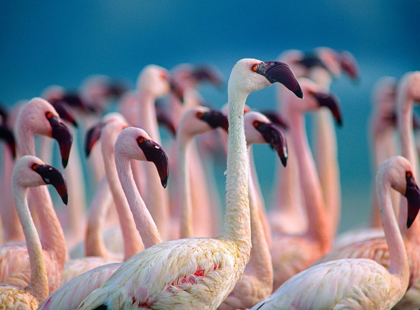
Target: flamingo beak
x,y
206,73
349,65
312,61
332,103
73,100
163,118
8,136
64,111
176,89
53,176
276,118
93,135
62,134
117,89
154,153
275,138
215,119
412,194
4,115
275,71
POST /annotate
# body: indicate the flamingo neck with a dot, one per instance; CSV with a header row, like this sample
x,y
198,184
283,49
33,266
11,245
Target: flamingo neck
x,y
156,198
405,126
319,228
397,253
94,245
132,240
260,263
186,228
39,282
144,221
52,236
237,215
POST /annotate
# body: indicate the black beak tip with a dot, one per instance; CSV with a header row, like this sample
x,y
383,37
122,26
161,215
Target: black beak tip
x,y
283,161
75,124
299,92
64,161
340,123
164,182
65,198
409,222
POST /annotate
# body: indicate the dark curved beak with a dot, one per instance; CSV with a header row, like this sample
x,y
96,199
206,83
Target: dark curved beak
x,y
74,101
176,89
117,88
53,176
65,112
163,118
8,136
275,71
310,61
349,64
276,118
4,115
207,74
154,153
92,136
331,102
62,134
413,200
215,119
275,138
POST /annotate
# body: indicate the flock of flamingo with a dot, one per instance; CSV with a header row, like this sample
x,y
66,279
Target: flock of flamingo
x,y
138,245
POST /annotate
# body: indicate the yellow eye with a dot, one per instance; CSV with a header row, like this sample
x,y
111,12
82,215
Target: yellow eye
x,y
34,167
199,114
49,115
255,68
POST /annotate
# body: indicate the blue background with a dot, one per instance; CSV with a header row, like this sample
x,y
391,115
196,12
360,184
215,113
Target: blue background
x,y
51,42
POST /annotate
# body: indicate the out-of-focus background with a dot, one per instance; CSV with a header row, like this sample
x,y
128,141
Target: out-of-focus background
x,y
53,42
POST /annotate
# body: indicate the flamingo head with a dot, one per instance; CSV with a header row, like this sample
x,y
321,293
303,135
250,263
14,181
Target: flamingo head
x,y
259,130
348,64
135,143
30,171
249,75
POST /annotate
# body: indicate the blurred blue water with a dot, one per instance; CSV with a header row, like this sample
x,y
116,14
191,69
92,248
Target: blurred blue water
x,y
51,42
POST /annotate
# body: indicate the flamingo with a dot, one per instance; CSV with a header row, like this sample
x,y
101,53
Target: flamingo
x,y
359,283
38,117
127,148
112,124
256,283
199,272
30,171
377,248
293,253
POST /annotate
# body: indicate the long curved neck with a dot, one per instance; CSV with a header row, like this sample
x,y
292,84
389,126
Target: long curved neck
x,y
237,215
94,245
405,126
52,236
39,281
144,222
186,227
319,227
132,241
397,253
260,259
156,198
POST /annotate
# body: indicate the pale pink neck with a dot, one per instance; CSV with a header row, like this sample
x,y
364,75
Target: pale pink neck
x,y
405,125
186,228
94,245
319,227
260,260
397,253
38,286
144,222
132,241
156,198
52,236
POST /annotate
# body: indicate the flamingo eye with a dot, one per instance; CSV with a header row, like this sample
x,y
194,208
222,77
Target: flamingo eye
x,y
408,174
48,115
163,76
255,123
199,115
34,167
140,139
255,68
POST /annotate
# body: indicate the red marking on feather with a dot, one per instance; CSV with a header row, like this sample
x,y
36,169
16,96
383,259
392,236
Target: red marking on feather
x,y
144,305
